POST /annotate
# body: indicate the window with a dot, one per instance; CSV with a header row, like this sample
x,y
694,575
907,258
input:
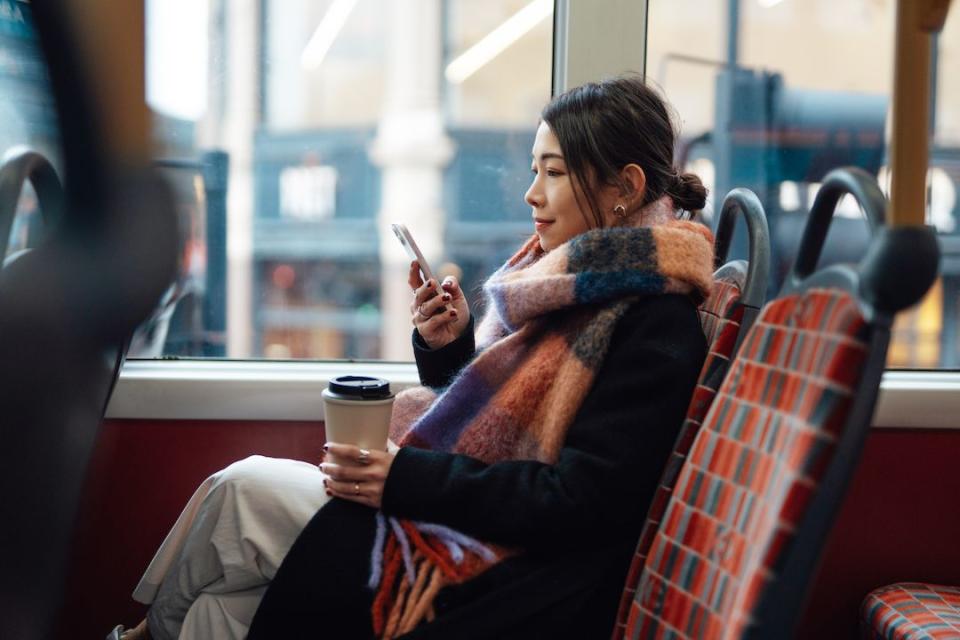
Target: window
x,y
809,91
335,118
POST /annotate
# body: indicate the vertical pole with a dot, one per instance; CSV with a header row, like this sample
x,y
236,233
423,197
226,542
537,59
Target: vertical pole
x,y
725,120
909,144
215,167
733,34
934,72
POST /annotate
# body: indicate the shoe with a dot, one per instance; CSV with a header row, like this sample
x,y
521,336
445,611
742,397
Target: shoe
x,y
116,634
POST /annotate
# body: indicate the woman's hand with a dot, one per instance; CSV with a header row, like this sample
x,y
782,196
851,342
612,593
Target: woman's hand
x,y
360,476
437,327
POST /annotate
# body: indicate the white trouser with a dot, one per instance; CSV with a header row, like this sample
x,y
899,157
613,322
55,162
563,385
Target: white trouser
x,y
207,578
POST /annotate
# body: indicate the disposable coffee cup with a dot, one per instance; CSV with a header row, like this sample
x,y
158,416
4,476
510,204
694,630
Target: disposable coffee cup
x,y
357,411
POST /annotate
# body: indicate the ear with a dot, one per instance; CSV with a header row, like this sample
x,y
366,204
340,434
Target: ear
x,y
634,183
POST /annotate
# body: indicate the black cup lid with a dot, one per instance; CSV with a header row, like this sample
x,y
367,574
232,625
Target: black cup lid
x,y
360,387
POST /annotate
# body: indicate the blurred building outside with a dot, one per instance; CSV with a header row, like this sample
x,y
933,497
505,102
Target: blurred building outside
x,y
341,116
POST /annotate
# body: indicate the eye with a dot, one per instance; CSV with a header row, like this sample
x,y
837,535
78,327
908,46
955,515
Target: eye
x,y
553,173
533,170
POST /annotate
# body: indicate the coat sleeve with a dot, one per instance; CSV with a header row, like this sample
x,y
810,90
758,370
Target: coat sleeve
x,y
610,464
438,366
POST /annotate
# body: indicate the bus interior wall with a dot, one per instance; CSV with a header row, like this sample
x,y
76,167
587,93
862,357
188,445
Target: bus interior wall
x,y
897,522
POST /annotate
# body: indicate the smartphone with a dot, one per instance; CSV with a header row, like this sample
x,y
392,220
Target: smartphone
x,y
410,245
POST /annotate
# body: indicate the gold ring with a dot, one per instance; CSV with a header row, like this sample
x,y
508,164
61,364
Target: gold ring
x,y
356,488
364,456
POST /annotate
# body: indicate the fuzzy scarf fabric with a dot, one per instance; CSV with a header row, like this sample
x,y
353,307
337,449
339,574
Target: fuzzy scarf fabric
x,y
549,320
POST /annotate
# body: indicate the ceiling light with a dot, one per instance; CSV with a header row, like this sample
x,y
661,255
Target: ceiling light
x,y
327,31
495,42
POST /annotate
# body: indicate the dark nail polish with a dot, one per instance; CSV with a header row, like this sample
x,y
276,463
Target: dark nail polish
x,y
326,448
329,493
446,297
453,313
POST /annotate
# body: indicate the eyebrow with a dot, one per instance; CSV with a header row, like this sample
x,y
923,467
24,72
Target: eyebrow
x,y
548,155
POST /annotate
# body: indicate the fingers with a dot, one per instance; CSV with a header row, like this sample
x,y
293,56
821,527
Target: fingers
x,y
425,292
354,464
360,474
349,473
428,302
353,453
436,322
434,305
413,277
452,286
365,493
348,489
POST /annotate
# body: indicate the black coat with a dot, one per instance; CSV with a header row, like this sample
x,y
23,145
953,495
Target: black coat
x,y
578,520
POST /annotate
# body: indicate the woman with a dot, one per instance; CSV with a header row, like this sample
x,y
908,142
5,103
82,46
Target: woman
x,y
526,464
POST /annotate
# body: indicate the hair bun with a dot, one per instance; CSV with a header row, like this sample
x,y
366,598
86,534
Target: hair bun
x,y
688,192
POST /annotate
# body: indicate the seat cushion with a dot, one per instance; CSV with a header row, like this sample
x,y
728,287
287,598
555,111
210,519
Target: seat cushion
x,y
912,611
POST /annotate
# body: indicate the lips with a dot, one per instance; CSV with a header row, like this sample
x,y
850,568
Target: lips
x,y
541,223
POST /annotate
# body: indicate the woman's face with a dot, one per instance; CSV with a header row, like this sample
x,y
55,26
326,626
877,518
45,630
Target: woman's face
x,y
556,214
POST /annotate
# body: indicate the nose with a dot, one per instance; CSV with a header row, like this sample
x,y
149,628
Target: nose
x,y
534,195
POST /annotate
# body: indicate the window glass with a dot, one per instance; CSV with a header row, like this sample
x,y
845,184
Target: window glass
x,y
27,113
334,119
808,90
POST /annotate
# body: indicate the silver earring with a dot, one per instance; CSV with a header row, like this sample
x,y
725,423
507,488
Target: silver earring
x,y
620,211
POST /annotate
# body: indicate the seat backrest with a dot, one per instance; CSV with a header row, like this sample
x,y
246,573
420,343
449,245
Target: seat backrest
x,y
735,298
743,528
96,275
21,165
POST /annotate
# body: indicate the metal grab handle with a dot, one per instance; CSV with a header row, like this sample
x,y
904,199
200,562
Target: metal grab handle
x,y
745,202
837,183
19,165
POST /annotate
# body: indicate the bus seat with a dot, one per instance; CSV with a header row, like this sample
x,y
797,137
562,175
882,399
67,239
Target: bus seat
x,y
735,299
20,165
98,272
755,498
66,309
911,611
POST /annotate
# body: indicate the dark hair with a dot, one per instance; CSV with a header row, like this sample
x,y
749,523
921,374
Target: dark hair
x,y
604,126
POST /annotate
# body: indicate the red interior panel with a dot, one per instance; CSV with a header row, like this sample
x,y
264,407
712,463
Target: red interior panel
x,y
900,520
141,475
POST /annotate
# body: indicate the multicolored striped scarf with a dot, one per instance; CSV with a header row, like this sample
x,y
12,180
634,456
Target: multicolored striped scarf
x,y
549,320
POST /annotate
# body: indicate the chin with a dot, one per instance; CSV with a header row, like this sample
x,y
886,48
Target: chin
x,y
545,243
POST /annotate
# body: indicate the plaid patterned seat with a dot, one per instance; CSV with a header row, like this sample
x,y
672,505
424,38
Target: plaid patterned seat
x,y
912,611
720,317
737,294
756,496
752,469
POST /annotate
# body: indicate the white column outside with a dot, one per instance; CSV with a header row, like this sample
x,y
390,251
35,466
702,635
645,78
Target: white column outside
x,y
412,149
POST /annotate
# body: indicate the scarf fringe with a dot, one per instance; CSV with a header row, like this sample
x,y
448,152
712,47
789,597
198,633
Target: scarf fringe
x,y
411,562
